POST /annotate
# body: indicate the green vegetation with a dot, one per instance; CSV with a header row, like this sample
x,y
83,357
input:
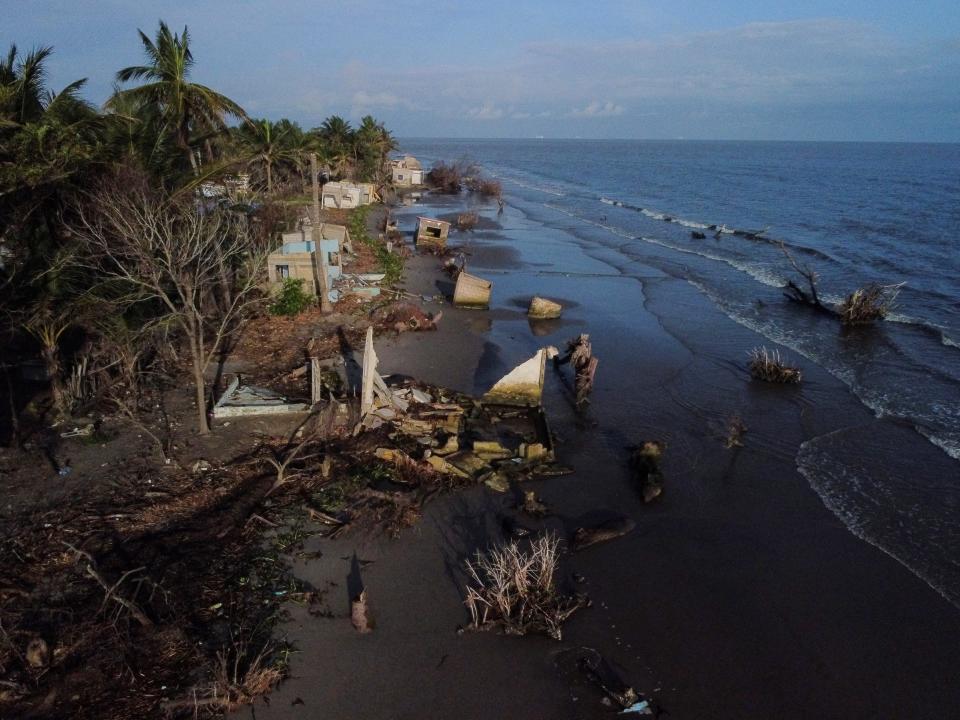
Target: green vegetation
x,y
290,299
390,263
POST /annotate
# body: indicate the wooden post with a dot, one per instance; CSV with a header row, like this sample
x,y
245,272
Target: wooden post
x,y
316,386
325,307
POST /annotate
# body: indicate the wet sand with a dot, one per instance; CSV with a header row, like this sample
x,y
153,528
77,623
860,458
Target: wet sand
x,y
738,595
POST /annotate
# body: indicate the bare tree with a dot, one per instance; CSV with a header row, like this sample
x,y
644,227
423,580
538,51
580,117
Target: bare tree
x,y
795,292
174,254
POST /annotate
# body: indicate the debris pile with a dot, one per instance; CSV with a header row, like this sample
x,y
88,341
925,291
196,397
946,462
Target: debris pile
x,y
500,438
401,317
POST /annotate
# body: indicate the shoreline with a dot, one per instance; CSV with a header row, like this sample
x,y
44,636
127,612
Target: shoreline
x,y
739,595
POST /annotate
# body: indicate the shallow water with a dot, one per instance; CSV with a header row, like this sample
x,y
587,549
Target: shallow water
x,y
855,213
744,592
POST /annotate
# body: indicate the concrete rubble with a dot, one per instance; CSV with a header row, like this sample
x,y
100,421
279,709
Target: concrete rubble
x,y
543,309
244,400
493,440
472,292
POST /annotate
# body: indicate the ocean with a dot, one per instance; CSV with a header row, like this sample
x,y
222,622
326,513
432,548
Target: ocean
x,y
855,213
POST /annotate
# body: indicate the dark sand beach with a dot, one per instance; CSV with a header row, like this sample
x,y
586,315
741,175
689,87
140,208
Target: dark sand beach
x,y
738,595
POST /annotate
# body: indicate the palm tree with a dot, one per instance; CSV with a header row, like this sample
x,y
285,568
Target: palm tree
x,y
372,144
265,144
22,87
184,106
336,138
46,139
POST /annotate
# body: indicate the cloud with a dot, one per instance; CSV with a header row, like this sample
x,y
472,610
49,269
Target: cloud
x,y
487,111
596,109
374,100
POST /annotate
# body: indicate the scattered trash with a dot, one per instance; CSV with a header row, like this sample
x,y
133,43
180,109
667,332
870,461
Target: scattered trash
x,y
472,292
85,431
64,471
200,466
646,464
543,309
598,670
642,707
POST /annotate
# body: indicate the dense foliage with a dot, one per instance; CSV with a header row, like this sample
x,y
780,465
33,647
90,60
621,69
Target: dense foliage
x,y
162,129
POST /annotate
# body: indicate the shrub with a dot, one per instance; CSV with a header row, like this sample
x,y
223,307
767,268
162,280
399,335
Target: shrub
x,y
467,220
391,264
357,225
767,365
516,589
446,178
868,304
291,299
485,187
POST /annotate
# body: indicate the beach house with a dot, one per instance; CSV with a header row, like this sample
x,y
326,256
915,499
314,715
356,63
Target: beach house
x,y
299,257
406,171
344,195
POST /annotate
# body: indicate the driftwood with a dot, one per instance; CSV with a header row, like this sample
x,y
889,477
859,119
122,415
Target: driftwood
x,y
112,590
580,355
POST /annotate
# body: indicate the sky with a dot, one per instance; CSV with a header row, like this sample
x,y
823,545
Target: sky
x,y
871,70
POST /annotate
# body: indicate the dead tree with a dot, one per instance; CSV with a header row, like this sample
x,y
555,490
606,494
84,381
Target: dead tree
x,y
797,294
171,254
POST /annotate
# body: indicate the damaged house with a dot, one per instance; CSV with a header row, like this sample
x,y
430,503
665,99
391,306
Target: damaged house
x,y
299,257
406,171
344,195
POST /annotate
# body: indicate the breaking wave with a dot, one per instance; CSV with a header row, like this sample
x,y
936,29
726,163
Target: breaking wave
x,y
916,532
718,228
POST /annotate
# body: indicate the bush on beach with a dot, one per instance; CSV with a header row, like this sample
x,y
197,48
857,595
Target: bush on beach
x,y
767,365
516,589
868,304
